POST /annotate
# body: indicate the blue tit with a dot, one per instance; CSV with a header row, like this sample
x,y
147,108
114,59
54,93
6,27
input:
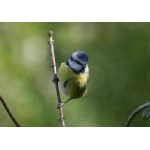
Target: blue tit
x,y
74,76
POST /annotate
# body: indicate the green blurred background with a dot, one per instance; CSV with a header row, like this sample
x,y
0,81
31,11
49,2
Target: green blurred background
x,y
119,62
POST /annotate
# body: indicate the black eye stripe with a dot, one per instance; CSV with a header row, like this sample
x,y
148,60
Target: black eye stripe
x,y
72,63
75,61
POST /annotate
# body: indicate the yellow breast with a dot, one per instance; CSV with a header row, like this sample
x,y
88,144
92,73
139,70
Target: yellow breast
x,y
72,84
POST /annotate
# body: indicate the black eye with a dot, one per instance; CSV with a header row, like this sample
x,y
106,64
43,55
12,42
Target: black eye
x,y
84,65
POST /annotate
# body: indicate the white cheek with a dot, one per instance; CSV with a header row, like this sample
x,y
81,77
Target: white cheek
x,y
86,69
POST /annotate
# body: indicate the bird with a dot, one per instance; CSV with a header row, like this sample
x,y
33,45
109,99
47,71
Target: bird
x,y
73,75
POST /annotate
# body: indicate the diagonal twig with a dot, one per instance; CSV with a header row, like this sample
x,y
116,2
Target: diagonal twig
x,y
51,44
9,113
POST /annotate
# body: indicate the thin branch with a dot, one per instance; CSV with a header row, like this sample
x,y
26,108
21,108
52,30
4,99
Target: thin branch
x,y
9,113
135,112
55,79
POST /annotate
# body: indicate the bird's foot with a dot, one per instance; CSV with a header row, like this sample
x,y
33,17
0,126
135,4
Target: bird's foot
x,y
60,105
55,79
63,103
